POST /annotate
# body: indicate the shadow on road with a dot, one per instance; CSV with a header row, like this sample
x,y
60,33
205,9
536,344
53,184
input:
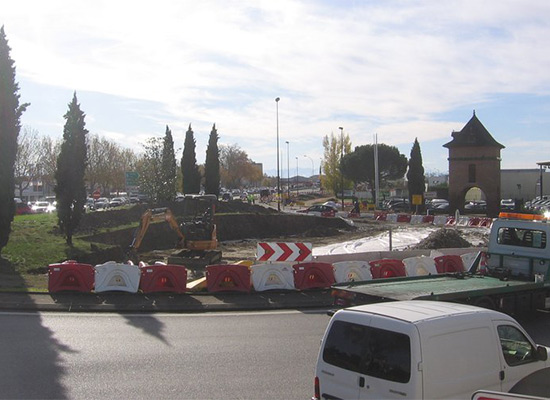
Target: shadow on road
x,y
24,337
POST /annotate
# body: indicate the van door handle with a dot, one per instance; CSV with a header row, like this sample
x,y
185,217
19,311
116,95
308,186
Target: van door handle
x,y
361,381
501,375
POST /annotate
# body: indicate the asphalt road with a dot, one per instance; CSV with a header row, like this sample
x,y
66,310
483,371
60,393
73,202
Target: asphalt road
x,y
193,356
199,356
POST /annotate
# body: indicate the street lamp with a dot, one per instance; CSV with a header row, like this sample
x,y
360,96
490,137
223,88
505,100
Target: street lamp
x,y
296,176
288,169
278,172
341,158
312,166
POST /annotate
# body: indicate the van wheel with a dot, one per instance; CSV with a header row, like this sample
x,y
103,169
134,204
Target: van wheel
x,y
485,302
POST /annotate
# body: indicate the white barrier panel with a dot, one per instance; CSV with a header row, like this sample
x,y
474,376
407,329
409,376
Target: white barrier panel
x,y
351,271
422,265
468,259
272,276
117,277
416,219
463,221
440,220
391,218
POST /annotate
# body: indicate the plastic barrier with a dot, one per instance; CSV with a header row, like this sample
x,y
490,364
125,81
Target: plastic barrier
x,y
463,221
440,219
451,221
313,275
161,277
112,276
228,277
403,218
70,275
474,221
351,271
387,268
272,276
381,217
417,219
448,263
421,265
428,219
486,222
468,259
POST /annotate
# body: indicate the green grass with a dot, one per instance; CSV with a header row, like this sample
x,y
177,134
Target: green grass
x,y
34,243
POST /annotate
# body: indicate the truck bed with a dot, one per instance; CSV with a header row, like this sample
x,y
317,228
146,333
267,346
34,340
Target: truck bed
x,y
437,287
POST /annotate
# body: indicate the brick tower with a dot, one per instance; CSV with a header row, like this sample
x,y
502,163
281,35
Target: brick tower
x,y
474,161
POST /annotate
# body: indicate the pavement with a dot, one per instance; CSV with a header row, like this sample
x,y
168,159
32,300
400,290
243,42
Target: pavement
x,y
164,302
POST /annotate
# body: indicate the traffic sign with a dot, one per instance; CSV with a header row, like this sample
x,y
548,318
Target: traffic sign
x,y
284,251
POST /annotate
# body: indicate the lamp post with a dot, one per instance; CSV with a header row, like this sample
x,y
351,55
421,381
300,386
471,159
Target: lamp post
x,y
288,169
278,171
296,176
341,158
312,165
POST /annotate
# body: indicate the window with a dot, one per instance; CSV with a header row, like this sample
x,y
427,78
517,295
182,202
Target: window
x,y
522,237
515,346
370,351
471,173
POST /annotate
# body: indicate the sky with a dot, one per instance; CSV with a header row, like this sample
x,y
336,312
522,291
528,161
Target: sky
x,y
399,70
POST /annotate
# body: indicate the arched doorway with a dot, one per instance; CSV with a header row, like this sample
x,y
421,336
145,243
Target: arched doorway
x,y
475,201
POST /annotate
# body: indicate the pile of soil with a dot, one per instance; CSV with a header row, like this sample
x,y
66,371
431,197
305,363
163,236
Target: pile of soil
x,y
443,239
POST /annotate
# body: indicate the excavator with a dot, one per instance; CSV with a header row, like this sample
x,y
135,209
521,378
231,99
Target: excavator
x,y
197,237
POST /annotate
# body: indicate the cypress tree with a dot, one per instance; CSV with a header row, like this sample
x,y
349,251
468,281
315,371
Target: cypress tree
x,y
10,113
212,164
415,174
70,190
167,190
191,178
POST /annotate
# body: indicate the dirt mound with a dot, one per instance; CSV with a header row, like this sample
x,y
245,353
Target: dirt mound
x,y
443,239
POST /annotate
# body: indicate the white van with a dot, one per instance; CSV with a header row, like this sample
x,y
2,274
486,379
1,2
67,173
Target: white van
x,y
422,350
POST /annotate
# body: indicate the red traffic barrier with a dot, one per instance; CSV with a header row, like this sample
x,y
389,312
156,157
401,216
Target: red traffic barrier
x,y
451,221
387,268
382,217
428,219
163,278
70,275
228,277
403,218
313,275
449,263
474,221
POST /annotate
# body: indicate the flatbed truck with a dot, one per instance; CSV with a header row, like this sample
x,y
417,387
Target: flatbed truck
x,y
515,280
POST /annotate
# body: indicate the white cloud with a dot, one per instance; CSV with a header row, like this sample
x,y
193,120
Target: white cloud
x,y
389,67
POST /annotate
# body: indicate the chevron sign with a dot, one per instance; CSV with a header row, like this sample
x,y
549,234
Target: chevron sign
x,y
283,252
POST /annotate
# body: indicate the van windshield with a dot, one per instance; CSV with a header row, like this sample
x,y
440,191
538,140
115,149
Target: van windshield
x,y
370,351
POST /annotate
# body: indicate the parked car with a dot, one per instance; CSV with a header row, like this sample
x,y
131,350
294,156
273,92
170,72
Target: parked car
x,y
320,210
399,206
438,206
116,202
476,206
507,204
22,208
101,203
42,207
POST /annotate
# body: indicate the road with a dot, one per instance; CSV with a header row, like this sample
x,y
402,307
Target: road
x,y
194,356
197,356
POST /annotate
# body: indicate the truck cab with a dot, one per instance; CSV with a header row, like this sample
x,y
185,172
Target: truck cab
x,y
518,246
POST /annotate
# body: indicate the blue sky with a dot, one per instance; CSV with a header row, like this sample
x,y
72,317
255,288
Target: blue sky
x,y
398,69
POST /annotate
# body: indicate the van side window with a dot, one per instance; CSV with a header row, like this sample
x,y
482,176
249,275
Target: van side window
x,y
515,346
370,351
522,237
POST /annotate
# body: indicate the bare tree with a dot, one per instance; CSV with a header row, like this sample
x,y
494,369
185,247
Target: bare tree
x,y
236,168
27,161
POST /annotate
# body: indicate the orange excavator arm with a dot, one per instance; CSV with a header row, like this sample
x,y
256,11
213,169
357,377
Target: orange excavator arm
x,y
152,215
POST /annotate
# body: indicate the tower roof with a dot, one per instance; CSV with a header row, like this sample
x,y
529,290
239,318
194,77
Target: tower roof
x,y
473,134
